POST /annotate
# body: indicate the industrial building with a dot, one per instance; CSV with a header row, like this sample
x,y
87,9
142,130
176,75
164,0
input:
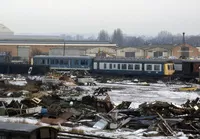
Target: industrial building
x,y
90,48
157,51
24,47
28,46
130,52
185,50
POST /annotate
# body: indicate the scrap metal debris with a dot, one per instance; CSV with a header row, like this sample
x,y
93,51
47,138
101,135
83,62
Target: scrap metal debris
x,y
52,100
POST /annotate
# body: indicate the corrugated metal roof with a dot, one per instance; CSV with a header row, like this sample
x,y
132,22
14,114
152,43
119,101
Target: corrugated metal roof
x,y
56,56
45,39
26,128
156,46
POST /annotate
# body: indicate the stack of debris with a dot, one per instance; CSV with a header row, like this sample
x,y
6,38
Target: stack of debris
x,y
97,110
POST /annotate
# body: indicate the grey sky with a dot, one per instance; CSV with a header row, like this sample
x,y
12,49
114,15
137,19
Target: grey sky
x,y
135,17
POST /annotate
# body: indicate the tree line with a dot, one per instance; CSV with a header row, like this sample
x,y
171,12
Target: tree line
x,y
121,39
162,38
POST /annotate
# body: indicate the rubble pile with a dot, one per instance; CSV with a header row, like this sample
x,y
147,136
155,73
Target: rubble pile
x,y
53,100
99,112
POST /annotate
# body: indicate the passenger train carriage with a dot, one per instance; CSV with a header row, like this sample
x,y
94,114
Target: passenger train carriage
x,y
120,66
135,67
64,62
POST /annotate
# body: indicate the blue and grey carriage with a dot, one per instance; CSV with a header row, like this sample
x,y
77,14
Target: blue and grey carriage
x,y
135,67
117,66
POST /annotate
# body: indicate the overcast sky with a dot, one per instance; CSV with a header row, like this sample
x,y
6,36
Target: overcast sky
x,y
134,17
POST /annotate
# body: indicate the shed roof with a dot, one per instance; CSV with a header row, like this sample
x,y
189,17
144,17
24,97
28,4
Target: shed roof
x,y
128,47
28,128
18,127
45,40
157,46
56,56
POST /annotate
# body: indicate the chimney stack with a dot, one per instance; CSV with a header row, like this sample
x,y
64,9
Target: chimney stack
x,y
184,38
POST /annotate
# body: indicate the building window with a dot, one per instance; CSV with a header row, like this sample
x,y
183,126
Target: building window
x,y
137,67
118,66
130,66
157,67
123,66
105,65
148,67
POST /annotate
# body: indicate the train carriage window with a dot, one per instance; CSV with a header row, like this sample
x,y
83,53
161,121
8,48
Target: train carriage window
x,y
130,66
86,62
52,61
105,65
118,66
137,67
124,66
170,67
114,65
66,62
56,61
157,67
148,67
76,62
48,61
83,62
43,61
110,66
61,62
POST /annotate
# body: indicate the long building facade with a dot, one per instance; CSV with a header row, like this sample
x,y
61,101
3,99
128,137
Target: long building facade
x,y
26,47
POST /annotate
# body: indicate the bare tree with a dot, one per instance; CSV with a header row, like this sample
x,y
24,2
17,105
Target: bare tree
x,y
193,40
36,51
133,41
165,37
103,36
118,37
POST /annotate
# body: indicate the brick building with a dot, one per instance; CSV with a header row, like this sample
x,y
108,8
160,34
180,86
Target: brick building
x,y
185,50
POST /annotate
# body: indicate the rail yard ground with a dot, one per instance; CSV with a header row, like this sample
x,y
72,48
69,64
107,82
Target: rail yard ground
x,y
115,109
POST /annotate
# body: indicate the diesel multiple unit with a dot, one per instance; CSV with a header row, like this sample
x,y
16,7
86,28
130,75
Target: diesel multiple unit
x,y
120,66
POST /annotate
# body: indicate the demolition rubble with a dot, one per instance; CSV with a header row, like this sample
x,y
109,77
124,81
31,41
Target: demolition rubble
x,y
59,101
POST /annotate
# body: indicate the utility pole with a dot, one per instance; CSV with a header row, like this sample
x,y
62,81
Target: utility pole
x,y
199,75
64,46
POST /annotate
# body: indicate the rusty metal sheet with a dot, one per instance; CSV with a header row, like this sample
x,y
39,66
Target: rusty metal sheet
x,y
55,121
